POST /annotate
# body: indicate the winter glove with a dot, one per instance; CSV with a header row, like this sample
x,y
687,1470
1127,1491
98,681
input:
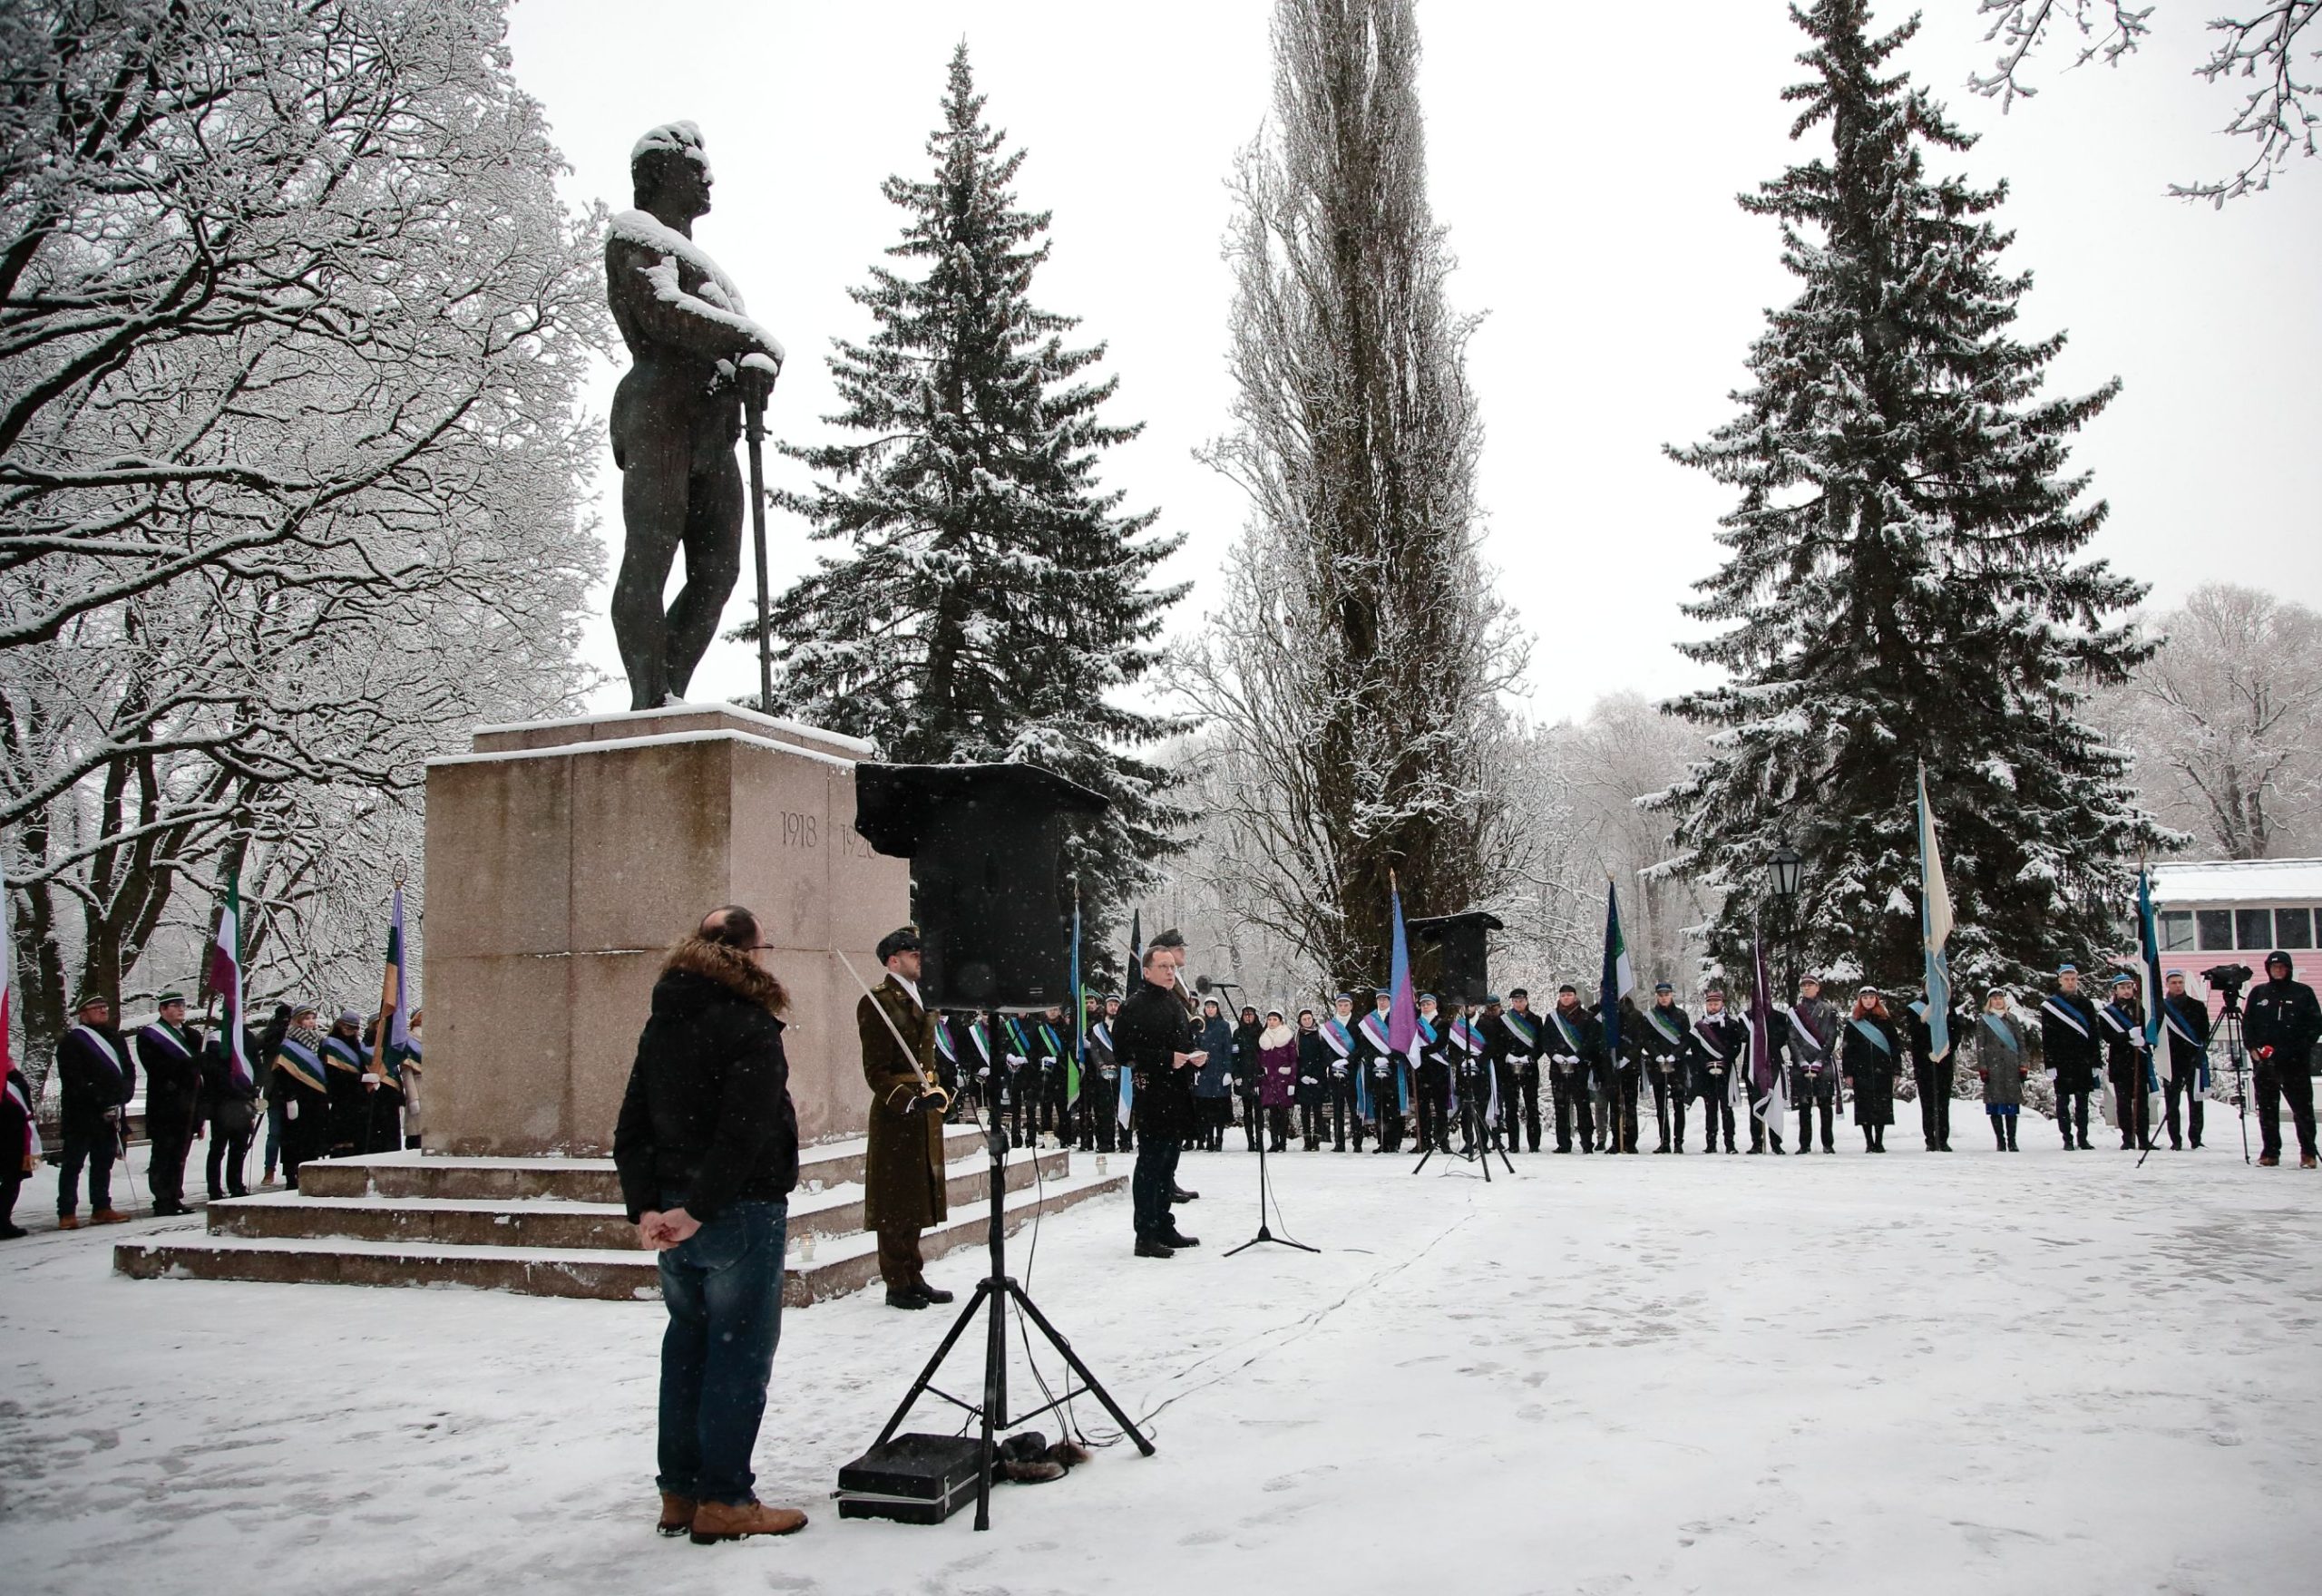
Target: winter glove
x,y
291,1109
2051,1077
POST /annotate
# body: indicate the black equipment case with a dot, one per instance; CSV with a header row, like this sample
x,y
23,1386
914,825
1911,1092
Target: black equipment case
x,y
912,1479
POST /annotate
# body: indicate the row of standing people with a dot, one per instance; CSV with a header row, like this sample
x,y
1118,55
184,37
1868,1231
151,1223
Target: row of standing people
x,y
1335,1080
315,1093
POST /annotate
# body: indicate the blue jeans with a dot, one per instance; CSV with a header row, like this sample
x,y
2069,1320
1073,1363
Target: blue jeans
x,y
723,1289
1149,1187
96,1148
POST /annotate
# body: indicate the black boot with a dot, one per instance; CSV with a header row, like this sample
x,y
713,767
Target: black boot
x,y
2010,1122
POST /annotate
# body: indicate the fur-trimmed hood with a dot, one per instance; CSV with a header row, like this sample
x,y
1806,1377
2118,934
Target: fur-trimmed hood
x,y
729,968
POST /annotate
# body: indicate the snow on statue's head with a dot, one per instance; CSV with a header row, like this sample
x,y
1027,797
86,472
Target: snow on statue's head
x,y
659,153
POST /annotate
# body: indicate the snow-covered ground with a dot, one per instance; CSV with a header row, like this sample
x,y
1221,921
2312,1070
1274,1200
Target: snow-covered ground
x,y
2039,1372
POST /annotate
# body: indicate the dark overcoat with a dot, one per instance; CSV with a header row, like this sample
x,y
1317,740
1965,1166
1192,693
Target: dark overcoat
x,y
1869,1070
903,1174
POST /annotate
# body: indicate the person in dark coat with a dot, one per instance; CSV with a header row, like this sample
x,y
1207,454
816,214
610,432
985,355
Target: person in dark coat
x,y
2121,1024
1719,1041
278,1119
1572,1044
1870,1052
1249,1075
1313,1090
98,1079
1432,1082
1383,1075
1153,1042
20,1147
903,1188
382,1087
350,1101
1100,1080
1521,1043
1811,1032
2003,1053
706,1146
2281,1026
2069,1047
1345,1051
1214,1082
171,1055
1663,1051
1932,1076
1277,1078
299,1085
230,1108
2184,1062
1019,1072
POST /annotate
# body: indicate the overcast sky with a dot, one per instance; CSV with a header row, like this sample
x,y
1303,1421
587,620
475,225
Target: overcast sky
x,y
1585,165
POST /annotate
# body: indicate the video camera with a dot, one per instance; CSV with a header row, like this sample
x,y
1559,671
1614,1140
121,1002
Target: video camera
x,y
2228,977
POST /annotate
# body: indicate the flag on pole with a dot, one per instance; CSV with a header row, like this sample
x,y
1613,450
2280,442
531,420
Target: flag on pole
x,y
394,1001
225,980
1619,977
1080,1012
1935,929
1136,943
1770,1091
2149,948
1402,1010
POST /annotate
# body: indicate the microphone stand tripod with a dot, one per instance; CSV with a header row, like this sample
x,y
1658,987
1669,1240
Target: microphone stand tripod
x,y
1263,1233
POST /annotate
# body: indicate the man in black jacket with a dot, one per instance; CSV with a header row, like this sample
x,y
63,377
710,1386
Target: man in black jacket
x,y
2184,1061
708,1150
98,1080
2281,1025
171,1055
1150,1039
1664,1048
2073,1057
1718,1041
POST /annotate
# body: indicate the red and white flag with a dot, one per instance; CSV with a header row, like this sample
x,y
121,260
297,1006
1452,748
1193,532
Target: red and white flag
x,y
225,980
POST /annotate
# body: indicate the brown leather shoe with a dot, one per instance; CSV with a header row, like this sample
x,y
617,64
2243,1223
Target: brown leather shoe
x,y
676,1514
108,1216
69,1222
717,1520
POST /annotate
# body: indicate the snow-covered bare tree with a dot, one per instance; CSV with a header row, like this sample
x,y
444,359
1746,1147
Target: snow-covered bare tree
x,y
2226,720
1356,665
2267,45
291,328
988,600
1903,585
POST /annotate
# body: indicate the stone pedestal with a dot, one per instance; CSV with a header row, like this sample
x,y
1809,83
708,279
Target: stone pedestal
x,y
565,857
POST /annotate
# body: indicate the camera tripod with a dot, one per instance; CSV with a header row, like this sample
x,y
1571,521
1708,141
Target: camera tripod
x,y
2228,1031
991,1296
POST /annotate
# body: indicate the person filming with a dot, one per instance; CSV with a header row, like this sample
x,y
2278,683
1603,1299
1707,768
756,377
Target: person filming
x,y
2281,1026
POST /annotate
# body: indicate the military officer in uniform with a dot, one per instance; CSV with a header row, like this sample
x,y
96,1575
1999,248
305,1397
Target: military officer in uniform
x,y
903,1188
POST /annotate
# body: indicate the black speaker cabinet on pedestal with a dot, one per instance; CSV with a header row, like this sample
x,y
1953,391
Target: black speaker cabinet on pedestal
x,y
1465,970
986,846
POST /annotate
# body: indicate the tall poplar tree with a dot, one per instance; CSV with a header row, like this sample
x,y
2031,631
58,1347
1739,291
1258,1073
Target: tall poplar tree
x,y
1904,582
988,600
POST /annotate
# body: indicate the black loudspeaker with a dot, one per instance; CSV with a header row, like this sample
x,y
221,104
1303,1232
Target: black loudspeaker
x,y
1465,976
986,846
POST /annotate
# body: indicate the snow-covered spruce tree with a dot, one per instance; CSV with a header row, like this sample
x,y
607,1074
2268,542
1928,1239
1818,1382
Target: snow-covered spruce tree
x,y
1903,584
1357,665
989,599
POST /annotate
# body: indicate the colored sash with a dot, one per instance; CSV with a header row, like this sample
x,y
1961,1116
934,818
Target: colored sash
x,y
343,1054
103,1047
1800,1023
1669,1032
1874,1037
2063,1011
945,1044
1464,1032
1051,1041
1998,1027
1016,1035
1334,1032
2130,1030
1524,1031
981,1035
304,1067
1102,1035
16,1089
1375,1030
1707,1033
160,1031
1564,1029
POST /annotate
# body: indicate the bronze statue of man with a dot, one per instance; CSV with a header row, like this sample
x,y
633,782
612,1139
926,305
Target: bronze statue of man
x,y
697,360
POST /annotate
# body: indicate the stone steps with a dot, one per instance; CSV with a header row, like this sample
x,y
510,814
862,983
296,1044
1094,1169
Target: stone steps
x,y
555,1227
554,1221
837,1265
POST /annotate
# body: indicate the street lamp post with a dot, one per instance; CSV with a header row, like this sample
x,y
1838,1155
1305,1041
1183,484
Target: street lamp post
x,y
1786,867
